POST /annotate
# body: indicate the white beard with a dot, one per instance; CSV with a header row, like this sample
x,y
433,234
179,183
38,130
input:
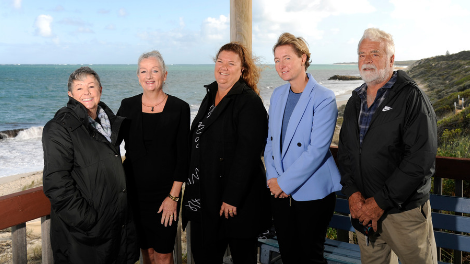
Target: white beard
x,y
376,76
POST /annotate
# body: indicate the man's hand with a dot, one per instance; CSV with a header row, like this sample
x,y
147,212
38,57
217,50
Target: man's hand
x,y
370,212
356,201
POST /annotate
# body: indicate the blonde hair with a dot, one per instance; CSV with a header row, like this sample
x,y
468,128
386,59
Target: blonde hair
x,y
251,73
299,45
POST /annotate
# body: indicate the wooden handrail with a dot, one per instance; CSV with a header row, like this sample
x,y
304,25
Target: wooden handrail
x,y
20,207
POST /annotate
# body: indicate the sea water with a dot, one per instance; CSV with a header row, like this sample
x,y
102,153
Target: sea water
x,y
31,94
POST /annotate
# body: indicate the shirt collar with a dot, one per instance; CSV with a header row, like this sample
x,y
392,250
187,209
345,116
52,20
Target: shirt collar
x,y
361,90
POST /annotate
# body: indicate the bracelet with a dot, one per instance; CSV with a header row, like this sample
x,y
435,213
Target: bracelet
x,y
176,199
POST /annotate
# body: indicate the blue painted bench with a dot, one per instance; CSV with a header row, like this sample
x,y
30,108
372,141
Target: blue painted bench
x,y
342,252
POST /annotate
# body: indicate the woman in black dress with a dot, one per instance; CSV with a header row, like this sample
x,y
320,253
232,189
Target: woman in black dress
x,y
225,197
156,164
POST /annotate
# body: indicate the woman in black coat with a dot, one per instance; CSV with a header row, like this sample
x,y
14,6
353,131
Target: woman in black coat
x,y
226,198
85,181
157,154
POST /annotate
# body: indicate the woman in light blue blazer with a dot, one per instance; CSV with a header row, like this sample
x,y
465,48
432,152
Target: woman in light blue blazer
x,y
301,172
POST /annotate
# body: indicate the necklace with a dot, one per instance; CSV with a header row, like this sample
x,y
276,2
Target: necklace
x,y
153,106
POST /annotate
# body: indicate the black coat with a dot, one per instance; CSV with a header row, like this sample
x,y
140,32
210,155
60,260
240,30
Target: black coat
x,y
396,160
85,182
231,168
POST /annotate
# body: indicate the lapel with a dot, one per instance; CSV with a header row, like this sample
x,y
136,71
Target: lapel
x,y
207,102
298,112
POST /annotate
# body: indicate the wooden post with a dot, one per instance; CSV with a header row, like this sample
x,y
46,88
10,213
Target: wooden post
x,y
458,193
438,190
18,244
240,22
47,257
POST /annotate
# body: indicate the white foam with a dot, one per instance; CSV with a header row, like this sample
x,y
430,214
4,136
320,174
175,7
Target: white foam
x,y
30,133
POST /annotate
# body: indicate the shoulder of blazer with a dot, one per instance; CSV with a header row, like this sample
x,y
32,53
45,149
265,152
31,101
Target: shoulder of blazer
x,y
129,105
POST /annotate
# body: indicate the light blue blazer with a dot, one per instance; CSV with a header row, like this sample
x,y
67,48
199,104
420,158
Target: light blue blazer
x,y
305,168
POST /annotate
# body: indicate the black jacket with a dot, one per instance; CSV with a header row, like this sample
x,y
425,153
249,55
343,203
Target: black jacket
x,y
85,182
231,170
397,157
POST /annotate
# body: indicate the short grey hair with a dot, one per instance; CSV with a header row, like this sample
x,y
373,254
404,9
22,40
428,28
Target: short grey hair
x,y
80,74
155,54
376,34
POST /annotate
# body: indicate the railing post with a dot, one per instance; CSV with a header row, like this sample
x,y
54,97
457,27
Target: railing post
x,y
18,244
438,190
458,193
47,257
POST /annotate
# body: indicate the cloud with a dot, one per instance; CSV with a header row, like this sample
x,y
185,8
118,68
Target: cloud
x,y
299,17
43,25
110,27
213,28
434,26
17,4
122,12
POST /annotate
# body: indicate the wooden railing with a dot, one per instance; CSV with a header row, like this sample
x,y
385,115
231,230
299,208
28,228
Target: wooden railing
x,y
18,208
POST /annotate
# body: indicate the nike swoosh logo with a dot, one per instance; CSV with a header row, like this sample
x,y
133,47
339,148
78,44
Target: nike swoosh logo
x,y
386,108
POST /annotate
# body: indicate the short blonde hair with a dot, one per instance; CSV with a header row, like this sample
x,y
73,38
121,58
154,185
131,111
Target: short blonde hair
x,y
299,45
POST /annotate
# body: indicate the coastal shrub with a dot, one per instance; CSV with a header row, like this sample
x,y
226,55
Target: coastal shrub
x,y
462,80
460,121
454,144
443,110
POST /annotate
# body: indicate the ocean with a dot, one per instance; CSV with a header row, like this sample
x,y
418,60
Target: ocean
x,y
31,94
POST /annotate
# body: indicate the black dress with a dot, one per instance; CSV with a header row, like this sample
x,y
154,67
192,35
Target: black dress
x,y
156,156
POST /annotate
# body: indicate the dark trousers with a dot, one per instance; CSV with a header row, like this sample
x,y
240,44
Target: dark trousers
x,y
208,250
301,228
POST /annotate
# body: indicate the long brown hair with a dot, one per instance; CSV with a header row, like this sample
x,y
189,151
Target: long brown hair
x,y
251,73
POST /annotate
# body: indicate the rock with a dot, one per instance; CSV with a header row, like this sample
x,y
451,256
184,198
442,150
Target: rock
x,y
10,133
345,78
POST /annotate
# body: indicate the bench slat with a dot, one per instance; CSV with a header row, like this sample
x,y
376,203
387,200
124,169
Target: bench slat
x,y
342,222
342,252
450,203
451,222
342,206
452,241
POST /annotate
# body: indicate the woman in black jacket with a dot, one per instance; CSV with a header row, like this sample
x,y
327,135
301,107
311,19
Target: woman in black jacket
x,y
85,181
157,146
226,198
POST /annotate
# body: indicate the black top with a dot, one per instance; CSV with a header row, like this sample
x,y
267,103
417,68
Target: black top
x,y
156,146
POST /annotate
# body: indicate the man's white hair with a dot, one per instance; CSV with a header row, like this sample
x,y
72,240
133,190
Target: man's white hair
x,y
376,34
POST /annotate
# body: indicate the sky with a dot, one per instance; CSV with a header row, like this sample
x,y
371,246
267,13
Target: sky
x,y
191,31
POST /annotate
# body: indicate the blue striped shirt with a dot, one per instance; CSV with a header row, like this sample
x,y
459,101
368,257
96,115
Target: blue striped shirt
x,y
366,114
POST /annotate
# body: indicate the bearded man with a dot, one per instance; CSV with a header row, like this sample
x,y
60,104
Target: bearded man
x,y
386,157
